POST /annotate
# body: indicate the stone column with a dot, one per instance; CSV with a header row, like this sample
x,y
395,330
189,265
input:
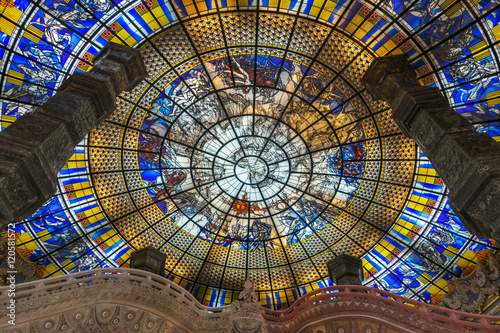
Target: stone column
x,y
148,259
345,270
37,145
467,161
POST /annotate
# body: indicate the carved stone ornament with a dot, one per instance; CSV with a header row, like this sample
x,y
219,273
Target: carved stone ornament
x,y
248,293
100,318
246,316
471,292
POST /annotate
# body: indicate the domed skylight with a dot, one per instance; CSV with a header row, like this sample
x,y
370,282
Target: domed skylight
x,y
251,149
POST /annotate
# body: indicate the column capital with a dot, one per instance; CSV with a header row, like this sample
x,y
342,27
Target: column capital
x,y
345,269
148,259
123,62
386,75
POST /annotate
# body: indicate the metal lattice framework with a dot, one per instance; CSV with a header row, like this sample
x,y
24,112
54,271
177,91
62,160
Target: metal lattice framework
x,y
251,149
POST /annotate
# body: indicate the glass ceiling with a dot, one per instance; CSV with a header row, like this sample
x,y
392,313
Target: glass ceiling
x,y
251,149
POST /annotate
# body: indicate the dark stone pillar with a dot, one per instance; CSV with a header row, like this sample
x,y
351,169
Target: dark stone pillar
x,y
37,145
345,270
467,161
148,259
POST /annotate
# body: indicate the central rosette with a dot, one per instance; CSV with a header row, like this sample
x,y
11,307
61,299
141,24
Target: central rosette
x,y
252,166
251,170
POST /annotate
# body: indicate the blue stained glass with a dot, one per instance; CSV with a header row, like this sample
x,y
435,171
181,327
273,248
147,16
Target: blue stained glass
x,y
253,150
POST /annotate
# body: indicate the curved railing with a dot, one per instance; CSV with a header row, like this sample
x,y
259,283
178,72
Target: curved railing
x,y
424,310
317,297
34,288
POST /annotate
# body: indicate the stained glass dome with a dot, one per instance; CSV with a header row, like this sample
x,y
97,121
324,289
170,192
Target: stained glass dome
x,y
252,149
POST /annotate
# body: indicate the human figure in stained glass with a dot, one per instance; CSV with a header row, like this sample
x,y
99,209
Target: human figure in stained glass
x,y
441,25
353,173
296,226
51,218
56,19
481,76
35,91
261,232
162,106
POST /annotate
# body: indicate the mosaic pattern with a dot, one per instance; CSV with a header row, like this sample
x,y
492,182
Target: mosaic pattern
x,y
251,149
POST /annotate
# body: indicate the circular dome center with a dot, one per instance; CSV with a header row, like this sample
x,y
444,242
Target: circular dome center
x,y
255,166
251,170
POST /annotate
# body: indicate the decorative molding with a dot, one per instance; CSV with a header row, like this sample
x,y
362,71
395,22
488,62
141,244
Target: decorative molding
x,y
100,318
137,290
397,313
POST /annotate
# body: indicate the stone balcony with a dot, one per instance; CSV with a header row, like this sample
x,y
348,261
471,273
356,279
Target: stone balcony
x,y
129,300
